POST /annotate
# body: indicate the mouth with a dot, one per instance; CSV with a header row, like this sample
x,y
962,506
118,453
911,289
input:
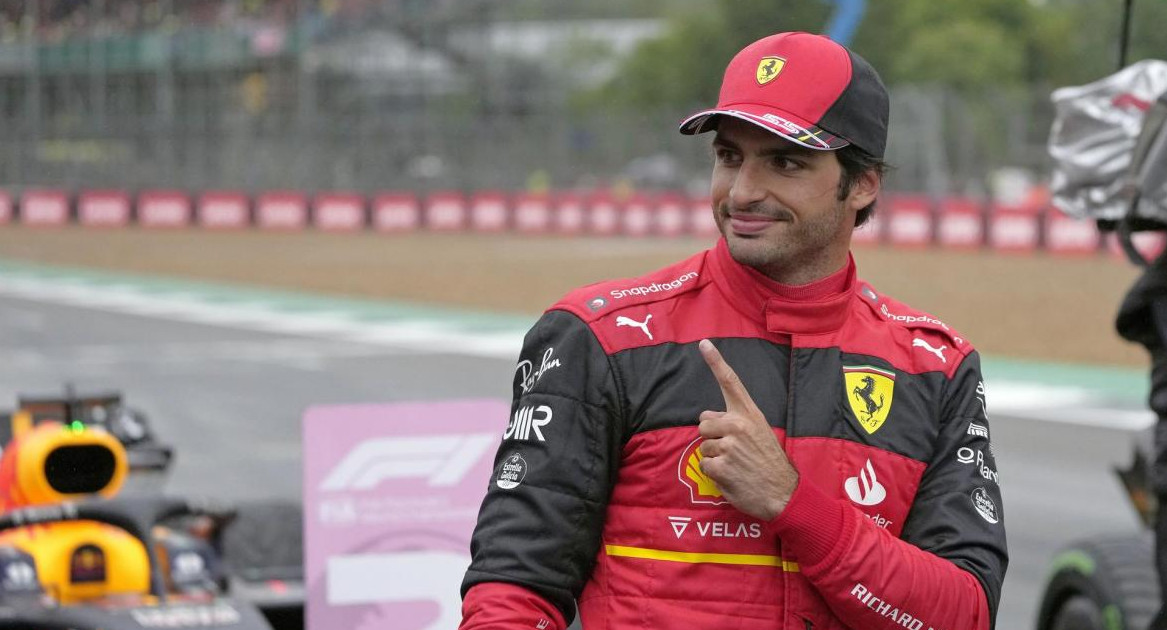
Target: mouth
x,y
748,224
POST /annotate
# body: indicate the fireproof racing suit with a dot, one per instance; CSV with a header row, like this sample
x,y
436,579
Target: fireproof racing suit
x,y
597,497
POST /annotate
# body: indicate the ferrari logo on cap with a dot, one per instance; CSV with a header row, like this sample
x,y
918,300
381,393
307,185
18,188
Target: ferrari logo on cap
x,y
869,390
768,69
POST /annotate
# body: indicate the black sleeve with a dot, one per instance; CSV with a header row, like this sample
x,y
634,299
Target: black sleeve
x,y
540,523
957,514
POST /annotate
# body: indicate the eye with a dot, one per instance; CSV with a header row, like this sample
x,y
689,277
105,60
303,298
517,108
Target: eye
x,y
785,163
726,156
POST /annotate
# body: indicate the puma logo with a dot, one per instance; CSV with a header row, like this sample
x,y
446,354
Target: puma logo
x,y
627,321
939,352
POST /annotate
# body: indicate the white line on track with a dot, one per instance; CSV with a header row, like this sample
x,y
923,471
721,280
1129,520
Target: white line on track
x,y
436,337
1028,400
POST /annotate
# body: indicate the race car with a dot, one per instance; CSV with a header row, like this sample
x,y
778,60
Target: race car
x,y
1108,582
77,553
100,409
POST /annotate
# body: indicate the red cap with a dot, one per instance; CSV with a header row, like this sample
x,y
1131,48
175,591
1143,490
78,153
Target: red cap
x,y
805,87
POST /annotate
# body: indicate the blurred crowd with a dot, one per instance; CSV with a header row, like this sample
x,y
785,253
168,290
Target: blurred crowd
x,y
59,20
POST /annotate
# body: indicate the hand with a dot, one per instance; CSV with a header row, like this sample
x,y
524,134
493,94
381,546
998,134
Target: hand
x,y
740,453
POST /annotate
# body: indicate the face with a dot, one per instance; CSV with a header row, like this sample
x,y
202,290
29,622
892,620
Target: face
x,y
777,203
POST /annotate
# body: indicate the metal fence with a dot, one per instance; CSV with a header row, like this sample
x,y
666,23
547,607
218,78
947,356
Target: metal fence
x,y
391,101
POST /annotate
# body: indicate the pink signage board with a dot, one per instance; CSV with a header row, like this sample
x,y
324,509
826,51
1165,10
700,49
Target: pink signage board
x,y
391,495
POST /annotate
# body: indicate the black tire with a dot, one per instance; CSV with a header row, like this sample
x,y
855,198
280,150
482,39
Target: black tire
x,y
265,541
1104,583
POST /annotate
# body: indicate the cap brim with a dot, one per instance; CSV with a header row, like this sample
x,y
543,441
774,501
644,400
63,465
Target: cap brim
x,y
800,133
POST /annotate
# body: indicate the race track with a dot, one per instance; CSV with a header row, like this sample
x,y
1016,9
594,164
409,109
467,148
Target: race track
x,y
228,388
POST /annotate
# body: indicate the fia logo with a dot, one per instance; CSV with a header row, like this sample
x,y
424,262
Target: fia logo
x,y
628,321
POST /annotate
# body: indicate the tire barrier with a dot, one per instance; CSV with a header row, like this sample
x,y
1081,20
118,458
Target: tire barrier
x,y
902,220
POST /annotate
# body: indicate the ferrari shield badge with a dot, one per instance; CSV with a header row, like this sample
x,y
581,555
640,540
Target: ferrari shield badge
x,y
768,69
869,390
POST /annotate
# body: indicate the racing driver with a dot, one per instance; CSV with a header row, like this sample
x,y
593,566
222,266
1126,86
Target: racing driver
x,y
752,438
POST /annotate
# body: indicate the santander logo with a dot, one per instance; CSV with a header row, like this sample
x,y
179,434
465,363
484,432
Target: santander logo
x,y
865,488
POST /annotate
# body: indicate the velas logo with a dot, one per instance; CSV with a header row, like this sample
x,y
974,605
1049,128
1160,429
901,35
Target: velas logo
x,y
769,68
702,489
869,392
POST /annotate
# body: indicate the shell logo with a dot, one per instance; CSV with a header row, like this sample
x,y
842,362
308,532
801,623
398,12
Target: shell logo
x,y
702,489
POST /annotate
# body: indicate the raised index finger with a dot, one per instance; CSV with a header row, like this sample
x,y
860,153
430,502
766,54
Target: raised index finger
x,y
732,389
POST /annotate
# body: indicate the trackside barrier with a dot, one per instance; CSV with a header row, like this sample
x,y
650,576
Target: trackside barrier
x,y
5,208
672,219
281,210
900,220
570,214
445,212
960,224
603,214
44,208
103,208
1014,228
532,214
339,212
396,212
639,216
163,209
1067,235
489,212
909,220
1149,244
223,210
701,217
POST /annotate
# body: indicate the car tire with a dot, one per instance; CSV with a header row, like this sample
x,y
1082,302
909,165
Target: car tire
x,y
1103,583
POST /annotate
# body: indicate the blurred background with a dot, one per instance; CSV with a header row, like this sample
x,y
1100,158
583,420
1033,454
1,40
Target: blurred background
x,y
418,94
406,184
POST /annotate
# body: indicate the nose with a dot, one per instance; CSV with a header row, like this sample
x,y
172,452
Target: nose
x,y
747,187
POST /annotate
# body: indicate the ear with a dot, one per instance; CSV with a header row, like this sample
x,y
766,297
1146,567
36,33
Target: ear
x,y
864,190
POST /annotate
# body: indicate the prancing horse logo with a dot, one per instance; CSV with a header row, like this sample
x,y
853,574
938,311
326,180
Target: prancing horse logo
x,y
865,393
768,69
870,391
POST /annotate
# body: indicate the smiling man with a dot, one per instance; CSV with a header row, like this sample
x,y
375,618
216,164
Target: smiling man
x,y
762,441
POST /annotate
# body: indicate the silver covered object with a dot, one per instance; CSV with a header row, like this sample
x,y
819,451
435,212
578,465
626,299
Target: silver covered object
x,y
1100,161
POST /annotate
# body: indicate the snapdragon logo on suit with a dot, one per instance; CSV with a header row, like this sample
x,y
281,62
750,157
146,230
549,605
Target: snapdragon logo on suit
x,y
702,489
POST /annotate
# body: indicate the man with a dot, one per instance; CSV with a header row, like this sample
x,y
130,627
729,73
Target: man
x,y
1142,318
750,438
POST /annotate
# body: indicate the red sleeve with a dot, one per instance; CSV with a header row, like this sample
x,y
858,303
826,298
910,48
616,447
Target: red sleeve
x,y
501,606
871,579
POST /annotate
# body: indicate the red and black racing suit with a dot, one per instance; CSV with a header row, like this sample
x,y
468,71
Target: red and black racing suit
x,y
597,495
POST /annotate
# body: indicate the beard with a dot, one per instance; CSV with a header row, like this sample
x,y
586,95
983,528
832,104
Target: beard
x,y
788,246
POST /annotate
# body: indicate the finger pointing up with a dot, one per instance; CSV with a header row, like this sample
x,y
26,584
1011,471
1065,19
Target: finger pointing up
x,y
732,389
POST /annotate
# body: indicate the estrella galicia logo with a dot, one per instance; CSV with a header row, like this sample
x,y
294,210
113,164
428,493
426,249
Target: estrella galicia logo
x,y
512,472
984,505
597,303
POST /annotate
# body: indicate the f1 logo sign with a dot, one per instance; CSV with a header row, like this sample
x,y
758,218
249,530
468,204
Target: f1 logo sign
x,y
442,460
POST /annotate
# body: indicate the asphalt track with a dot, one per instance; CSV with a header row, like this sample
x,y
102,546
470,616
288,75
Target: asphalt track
x,y
229,393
